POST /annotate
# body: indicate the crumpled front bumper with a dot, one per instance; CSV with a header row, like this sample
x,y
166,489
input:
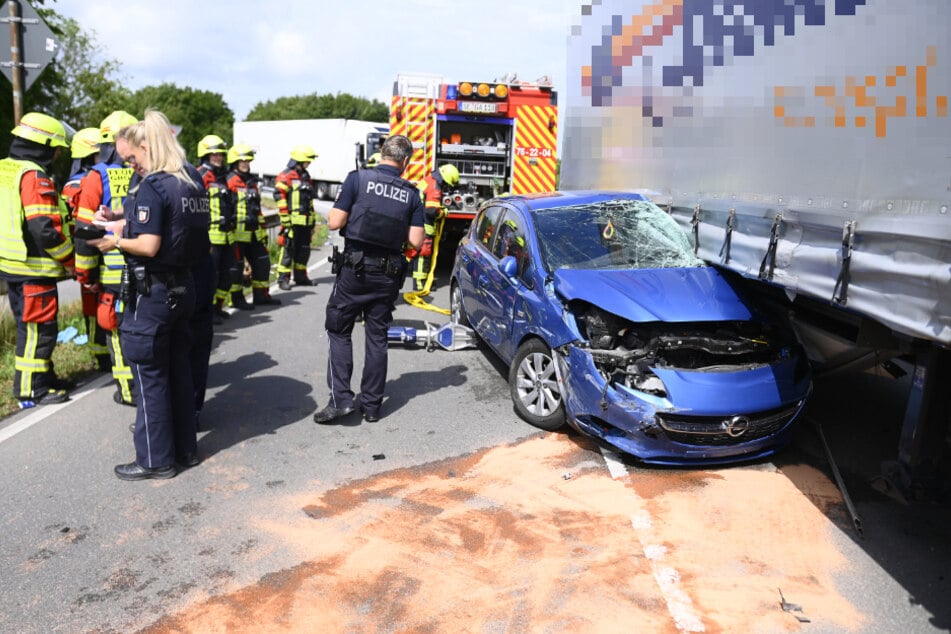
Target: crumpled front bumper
x,y
629,421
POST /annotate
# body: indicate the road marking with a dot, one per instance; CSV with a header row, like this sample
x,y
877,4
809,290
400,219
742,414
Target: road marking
x,y
678,602
45,411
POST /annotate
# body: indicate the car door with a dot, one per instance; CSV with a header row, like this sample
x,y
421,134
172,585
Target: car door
x,y
502,294
476,257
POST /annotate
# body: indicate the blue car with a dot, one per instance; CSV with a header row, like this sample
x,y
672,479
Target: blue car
x,y
609,323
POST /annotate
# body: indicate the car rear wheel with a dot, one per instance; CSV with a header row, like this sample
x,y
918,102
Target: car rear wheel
x,y
456,310
534,386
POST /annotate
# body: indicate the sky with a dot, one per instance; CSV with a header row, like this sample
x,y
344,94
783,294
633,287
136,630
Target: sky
x,y
253,51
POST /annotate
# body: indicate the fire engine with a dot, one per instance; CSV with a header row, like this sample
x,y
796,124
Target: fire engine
x,y
501,135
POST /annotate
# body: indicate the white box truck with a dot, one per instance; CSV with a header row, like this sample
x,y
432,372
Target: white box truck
x,y
805,146
341,145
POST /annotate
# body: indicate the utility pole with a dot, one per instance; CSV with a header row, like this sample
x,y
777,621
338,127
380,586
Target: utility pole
x,y
16,61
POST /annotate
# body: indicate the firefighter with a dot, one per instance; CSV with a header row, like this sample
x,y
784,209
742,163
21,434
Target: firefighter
x,y
374,160
294,192
212,151
106,185
376,212
84,150
431,190
250,238
36,251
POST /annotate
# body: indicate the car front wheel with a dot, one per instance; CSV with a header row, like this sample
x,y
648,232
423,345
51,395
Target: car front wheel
x,y
534,386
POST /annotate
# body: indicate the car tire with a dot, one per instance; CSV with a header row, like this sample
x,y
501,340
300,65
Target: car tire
x,y
456,310
534,386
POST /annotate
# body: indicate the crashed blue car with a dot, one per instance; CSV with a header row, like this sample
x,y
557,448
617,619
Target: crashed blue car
x,y
609,323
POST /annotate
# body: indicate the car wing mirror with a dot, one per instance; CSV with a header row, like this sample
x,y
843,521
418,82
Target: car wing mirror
x,y
509,266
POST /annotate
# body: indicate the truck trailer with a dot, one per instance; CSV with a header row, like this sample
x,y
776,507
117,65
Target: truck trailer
x,y
500,135
805,145
342,145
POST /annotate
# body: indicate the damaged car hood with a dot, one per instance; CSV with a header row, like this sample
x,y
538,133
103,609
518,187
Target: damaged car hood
x,y
644,295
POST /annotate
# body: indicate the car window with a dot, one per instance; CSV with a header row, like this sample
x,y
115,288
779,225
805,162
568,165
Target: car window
x,y
485,228
625,234
511,241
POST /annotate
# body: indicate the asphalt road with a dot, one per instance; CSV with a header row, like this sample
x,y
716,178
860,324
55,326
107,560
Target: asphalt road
x,y
449,514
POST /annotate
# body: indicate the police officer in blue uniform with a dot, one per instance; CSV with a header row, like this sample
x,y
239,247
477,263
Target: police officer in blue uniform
x,y
377,212
161,246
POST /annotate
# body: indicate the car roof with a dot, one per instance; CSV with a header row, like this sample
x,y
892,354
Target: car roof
x,y
567,198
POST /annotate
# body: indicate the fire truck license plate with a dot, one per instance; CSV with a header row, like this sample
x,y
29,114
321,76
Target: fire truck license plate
x,y
476,106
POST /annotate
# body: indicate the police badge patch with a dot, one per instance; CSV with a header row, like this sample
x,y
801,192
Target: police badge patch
x,y
142,214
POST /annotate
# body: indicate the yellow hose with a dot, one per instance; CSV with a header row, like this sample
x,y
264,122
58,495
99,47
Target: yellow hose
x,y
415,298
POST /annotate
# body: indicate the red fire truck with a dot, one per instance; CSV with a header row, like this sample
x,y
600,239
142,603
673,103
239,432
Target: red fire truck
x,y
501,135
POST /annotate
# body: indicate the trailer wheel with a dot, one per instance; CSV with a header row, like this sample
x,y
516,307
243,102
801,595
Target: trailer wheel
x,y
534,386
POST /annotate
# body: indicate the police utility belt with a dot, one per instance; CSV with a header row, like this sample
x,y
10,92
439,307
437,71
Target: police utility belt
x,y
137,281
389,264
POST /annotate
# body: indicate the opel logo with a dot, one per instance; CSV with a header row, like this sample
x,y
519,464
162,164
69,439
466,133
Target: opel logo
x,y
736,426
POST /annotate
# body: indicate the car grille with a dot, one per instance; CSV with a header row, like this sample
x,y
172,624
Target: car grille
x,y
725,430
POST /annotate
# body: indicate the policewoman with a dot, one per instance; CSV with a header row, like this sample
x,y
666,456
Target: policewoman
x,y
155,331
377,212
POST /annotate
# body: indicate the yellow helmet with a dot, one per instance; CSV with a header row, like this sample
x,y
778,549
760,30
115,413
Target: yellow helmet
x,y
85,142
240,152
450,174
303,154
211,144
41,129
113,123
374,159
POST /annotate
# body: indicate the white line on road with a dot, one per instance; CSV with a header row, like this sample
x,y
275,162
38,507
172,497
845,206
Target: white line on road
x,y
45,411
678,602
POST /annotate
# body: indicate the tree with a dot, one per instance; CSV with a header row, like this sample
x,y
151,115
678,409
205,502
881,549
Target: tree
x,y
314,106
199,112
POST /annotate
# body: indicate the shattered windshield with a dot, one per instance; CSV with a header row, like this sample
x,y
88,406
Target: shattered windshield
x,y
613,234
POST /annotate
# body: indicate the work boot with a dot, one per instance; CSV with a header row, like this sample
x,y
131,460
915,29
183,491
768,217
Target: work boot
x,y
284,282
303,280
239,301
263,298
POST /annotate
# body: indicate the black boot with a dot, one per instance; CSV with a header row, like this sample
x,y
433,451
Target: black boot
x,y
263,298
238,301
303,280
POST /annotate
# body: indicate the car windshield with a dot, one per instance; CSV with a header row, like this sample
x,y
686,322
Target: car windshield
x,y
613,234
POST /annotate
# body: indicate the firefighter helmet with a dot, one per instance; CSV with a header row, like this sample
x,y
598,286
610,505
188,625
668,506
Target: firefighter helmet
x,y
41,129
240,152
303,154
211,144
85,142
374,159
113,123
449,173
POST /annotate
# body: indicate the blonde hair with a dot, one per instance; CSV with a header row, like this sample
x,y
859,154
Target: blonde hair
x,y
165,152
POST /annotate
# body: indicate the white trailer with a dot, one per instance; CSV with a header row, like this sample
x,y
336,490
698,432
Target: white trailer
x,y
806,146
342,145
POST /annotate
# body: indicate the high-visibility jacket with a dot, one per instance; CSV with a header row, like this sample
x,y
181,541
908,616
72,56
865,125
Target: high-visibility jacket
x,y
106,184
246,200
295,197
430,190
221,229
34,224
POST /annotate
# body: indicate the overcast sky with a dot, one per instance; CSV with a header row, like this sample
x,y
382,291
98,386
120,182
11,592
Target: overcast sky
x,y
253,51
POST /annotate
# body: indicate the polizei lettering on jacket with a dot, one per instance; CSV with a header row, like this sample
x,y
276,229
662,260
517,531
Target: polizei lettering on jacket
x,y
386,190
193,205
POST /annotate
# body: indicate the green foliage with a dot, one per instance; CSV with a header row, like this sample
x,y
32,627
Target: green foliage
x,y
199,112
314,106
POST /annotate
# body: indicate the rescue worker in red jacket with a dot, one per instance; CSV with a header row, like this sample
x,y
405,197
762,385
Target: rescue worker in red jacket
x,y
250,238
106,185
84,150
294,192
36,251
432,189
212,151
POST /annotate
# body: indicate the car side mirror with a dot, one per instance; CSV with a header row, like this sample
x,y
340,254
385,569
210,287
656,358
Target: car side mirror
x,y
509,266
